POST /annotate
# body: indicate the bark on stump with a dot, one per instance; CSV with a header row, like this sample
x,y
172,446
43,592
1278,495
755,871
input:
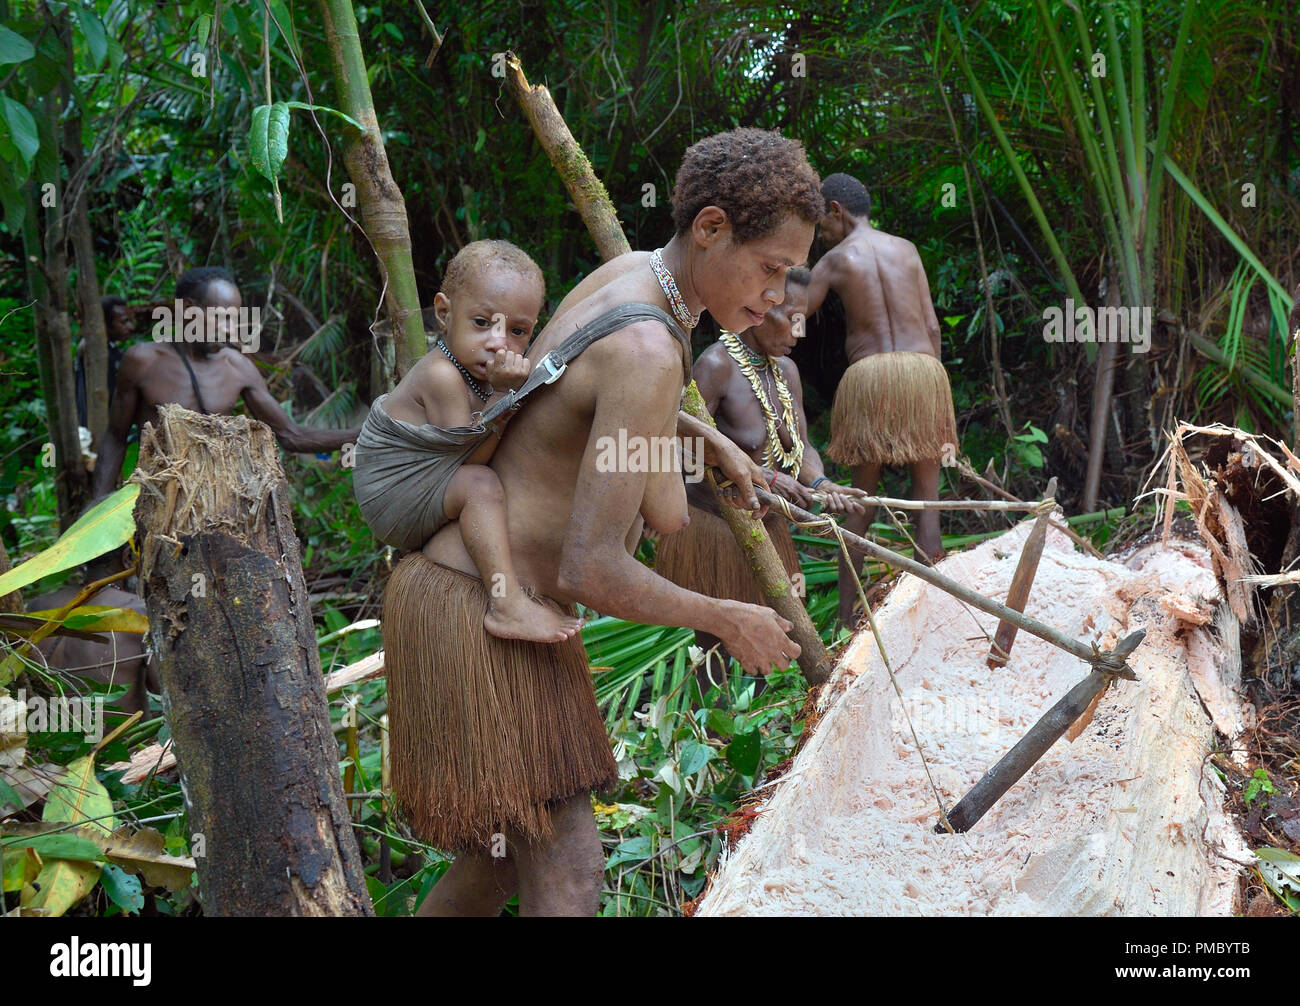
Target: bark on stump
x,y
242,688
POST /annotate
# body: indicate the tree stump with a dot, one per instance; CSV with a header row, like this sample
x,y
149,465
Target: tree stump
x,y
242,690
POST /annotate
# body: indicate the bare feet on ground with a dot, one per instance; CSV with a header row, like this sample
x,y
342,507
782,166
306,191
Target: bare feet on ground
x,y
521,617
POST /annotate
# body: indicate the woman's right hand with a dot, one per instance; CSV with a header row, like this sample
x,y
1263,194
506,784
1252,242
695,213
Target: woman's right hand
x,y
756,637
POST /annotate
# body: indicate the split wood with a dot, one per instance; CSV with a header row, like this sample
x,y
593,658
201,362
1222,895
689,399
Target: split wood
x,y
1021,582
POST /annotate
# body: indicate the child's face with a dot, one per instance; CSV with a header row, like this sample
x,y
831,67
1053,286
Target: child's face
x,y
783,324
497,309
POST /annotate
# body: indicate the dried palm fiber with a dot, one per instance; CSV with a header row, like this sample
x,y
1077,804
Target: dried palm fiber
x,y
1126,820
703,557
892,409
484,732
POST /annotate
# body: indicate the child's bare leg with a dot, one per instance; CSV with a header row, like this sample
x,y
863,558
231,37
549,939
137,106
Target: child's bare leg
x,y
865,478
925,486
476,499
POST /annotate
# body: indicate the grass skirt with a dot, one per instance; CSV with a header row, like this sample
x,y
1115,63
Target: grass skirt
x,y
705,558
484,732
892,409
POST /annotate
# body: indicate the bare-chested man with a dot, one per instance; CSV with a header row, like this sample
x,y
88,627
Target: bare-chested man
x,y
753,391
894,404
207,376
497,744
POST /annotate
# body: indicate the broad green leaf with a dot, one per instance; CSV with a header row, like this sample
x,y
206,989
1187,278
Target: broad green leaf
x,y
105,526
96,38
744,752
257,140
122,888
277,138
22,128
694,757
14,48
58,846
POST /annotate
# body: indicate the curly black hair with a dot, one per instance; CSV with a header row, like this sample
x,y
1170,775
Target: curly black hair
x,y
757,177
848,192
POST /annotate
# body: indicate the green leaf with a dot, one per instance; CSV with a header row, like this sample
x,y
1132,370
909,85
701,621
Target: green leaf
x,y
96,38
1280,868
200,29
14,48
122,888
277,137
325,108
22,127
479,140
719,720
105,526
744,752
58,846
694,757
257,141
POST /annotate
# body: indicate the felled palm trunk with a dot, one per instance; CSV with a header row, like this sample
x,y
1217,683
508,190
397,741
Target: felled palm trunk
x,y
242,687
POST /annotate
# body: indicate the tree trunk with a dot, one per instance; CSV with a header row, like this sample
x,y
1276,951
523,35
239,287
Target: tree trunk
x,y
383,210
48,281
242,688
94,335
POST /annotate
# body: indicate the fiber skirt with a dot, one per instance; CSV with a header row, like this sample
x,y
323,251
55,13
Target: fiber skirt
x,y
892,409
705,558
484,732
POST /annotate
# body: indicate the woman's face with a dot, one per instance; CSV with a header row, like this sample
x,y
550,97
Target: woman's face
x,y
739,283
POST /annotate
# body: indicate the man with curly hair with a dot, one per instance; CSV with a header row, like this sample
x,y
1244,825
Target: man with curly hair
x,y
893,405
498,743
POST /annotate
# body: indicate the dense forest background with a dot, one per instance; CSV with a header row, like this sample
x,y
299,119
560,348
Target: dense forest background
x,y
1142,154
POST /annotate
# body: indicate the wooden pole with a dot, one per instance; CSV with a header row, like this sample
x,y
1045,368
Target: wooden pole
x,y
589,195
598,214
1021,582
1041,736
242,689
1082,650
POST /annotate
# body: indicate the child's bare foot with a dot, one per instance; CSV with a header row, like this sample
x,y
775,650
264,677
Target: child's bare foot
x,y
523,618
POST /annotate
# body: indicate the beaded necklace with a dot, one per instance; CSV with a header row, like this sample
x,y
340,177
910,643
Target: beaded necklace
x,y
750,363
474,386
669,286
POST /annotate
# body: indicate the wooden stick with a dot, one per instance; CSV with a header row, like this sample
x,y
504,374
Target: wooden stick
x,y
1021,582
566,155
1084,651
970,473
902,504
769,572
1041,736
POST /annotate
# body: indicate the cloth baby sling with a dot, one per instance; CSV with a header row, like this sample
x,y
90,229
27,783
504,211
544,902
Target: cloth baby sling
x,y
402,470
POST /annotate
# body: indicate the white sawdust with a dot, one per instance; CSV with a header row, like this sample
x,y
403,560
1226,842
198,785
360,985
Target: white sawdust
x,y
1127,820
